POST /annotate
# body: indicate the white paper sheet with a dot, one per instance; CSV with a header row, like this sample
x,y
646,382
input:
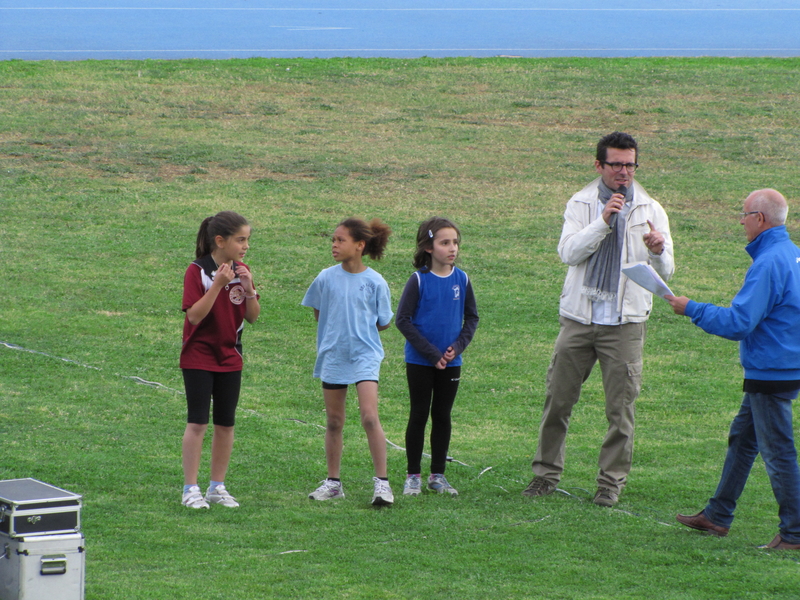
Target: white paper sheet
x,y
646,276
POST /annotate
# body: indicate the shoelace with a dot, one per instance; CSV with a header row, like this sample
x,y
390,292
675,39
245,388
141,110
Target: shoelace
x,y
329,486
539,485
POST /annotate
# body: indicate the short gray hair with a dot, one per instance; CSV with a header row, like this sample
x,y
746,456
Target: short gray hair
x,y
771,204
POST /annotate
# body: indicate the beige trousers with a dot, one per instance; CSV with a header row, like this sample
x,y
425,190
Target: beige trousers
x,y
618,349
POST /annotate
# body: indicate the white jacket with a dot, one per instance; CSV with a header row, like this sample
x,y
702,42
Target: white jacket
x,y
580,238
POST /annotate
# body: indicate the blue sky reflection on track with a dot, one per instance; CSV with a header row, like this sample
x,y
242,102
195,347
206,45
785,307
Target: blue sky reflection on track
x,y
167,29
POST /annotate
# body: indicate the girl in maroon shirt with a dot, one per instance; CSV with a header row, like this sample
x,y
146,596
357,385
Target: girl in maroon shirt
x,y
218,296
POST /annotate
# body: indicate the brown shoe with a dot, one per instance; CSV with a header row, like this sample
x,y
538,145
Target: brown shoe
x,y
539,486
605,497
699,521
779,544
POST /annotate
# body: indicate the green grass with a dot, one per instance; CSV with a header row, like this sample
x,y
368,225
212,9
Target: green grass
x,y
107,169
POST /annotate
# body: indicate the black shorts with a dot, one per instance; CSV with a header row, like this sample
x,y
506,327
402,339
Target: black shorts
x,y
201,386
342,386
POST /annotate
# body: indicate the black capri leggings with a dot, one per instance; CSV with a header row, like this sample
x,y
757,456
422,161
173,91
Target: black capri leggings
x,y
432,391
201,386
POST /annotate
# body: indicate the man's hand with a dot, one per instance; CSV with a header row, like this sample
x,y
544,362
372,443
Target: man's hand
x,y
613,206
654,240
678,303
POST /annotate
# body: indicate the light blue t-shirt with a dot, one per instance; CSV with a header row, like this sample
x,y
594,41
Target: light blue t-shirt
x,y
350,305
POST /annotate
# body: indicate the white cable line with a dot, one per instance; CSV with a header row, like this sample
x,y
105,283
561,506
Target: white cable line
x,y
389,442
254,412
136,379
67,360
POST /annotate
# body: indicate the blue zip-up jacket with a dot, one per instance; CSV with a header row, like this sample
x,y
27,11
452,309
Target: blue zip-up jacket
x,y
764,316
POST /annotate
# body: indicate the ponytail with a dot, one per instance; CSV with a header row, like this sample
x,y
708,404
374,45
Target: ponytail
x,y
375,235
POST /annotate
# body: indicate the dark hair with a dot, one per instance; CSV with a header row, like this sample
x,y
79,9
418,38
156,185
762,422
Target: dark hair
x,y
374,234
425,234
619,140
225,223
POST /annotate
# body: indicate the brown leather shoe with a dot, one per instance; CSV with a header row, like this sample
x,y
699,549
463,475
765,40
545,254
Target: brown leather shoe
x,y
539,486
699,521
605,497
779,544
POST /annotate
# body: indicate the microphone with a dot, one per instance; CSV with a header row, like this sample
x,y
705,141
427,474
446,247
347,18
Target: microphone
x,y
613,219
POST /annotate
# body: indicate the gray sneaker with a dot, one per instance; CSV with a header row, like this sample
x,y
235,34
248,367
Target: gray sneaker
x,y
438,483
539,486
412,486
328,491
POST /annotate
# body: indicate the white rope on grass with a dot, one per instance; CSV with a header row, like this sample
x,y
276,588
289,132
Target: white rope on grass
x,y
154,384
297,421
134,378
66,360
389,442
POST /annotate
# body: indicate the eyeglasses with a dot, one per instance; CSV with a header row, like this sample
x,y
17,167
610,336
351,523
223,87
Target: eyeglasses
x,y
617,166
742,215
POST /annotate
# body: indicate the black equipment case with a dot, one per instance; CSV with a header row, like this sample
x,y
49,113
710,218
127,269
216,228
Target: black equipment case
x,y
31,507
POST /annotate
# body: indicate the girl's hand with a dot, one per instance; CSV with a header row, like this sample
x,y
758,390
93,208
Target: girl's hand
x,y
446,358
224,275
246,277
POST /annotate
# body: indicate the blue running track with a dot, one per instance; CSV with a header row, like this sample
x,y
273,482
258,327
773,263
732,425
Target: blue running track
x,y
165,29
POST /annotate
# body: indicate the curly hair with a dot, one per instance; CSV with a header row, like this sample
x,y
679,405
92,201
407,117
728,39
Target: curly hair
x,y
374,234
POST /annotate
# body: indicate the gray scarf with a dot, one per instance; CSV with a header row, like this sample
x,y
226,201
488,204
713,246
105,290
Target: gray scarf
x,y
601,281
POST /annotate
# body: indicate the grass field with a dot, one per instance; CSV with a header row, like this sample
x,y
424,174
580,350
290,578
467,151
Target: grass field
x,y
107,169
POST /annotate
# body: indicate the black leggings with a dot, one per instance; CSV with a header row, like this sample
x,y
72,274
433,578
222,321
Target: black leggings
x,y
432,391
201,386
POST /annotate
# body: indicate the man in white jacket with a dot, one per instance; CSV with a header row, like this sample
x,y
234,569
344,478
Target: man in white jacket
x,y
610,223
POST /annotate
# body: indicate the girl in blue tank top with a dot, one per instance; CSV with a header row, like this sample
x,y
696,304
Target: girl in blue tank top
x,y
438,317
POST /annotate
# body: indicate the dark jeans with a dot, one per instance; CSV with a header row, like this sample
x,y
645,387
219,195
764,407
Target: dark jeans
x,y
764,424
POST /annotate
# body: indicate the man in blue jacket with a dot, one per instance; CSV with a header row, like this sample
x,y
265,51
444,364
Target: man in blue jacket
x,y
765,318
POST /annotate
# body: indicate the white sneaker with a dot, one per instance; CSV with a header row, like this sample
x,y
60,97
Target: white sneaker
x,y
193,498
383,495
219,495
412,486
328,491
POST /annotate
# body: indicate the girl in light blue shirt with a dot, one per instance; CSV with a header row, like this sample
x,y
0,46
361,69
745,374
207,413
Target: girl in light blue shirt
x,y
352,305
